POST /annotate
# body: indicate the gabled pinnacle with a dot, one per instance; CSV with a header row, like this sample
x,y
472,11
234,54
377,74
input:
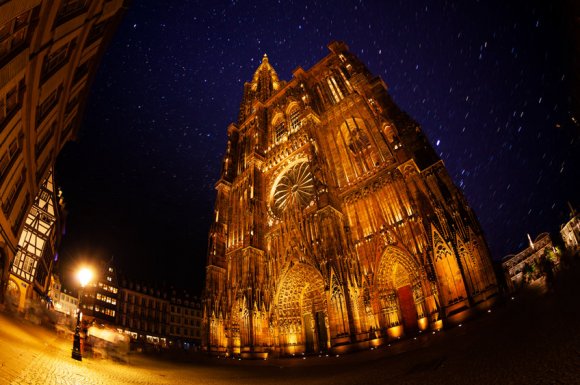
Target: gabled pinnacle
x,y
265,80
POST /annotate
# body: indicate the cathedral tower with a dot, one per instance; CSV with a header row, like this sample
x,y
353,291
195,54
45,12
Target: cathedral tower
x,y
335,222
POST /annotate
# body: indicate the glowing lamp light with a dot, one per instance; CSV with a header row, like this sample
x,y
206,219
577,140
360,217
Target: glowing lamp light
x,y
84,276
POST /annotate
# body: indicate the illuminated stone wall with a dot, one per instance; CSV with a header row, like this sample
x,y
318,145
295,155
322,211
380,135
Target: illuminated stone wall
x,y
49,52
335,223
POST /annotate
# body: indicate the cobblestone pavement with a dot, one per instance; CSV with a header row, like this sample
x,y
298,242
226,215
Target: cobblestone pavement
x,y
533,339
33,355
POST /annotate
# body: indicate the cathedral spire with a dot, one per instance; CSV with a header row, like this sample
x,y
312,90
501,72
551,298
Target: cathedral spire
x,y
265,81
263,85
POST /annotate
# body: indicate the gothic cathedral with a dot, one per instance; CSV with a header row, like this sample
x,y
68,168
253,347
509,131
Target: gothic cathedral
x,y
336,225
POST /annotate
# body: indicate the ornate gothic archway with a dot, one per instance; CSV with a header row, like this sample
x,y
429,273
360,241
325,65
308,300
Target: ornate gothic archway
x,y
301,311
400,290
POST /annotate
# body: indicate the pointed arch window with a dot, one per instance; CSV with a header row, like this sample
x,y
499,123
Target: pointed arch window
x,y
355,136
295,121
336,92
279,130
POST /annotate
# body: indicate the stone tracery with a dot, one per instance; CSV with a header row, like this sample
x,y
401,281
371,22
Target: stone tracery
x,y
295,188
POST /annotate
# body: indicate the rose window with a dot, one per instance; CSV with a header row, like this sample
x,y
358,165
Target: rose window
x,y
295,188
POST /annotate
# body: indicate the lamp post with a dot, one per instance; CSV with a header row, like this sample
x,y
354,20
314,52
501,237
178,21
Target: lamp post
x,y
84,276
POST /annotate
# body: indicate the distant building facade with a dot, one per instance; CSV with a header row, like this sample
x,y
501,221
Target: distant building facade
x,y
100,297
143,313
159,318
185,320
526,266
64,302
49,51
336,225
570,231
154,318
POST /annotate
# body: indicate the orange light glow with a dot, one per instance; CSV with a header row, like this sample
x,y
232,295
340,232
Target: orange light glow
x,y
84,276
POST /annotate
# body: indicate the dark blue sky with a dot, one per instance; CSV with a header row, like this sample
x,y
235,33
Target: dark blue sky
x,y
489,82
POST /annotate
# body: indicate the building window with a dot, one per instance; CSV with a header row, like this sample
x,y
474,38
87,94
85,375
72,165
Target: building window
x,y
11,102
337,95
41,171
69,9
280,130
97,31
295,121
15,34
47,105
72,103
21,215
10,200
24,266
10,156
43,140
57,59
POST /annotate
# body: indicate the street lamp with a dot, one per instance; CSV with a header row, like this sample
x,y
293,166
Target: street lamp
x,y
84,276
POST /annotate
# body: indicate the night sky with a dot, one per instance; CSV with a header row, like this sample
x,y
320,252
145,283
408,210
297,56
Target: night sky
x,y
489,82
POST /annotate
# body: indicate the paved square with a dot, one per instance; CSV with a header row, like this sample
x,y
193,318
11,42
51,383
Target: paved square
x,y
533,339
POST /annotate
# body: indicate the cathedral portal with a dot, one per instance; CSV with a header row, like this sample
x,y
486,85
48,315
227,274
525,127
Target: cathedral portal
x,y
301,311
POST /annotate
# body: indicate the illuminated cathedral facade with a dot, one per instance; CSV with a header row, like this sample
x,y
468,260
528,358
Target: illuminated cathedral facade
x,y
336,225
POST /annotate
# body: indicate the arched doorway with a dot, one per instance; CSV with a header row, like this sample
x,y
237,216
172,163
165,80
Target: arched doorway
x,y
400,291
402,280
302,311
